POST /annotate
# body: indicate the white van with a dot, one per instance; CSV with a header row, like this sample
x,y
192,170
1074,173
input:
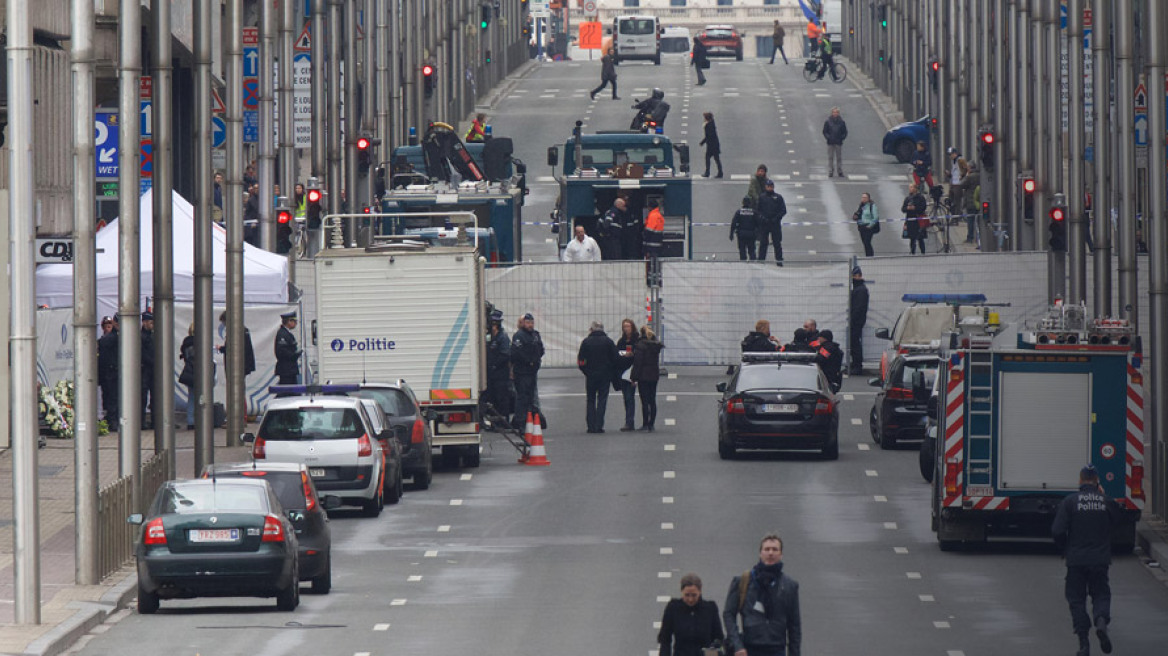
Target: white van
x,y
676,41
637,37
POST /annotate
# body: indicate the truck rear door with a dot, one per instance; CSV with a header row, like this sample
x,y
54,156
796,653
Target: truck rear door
x,y
1044,428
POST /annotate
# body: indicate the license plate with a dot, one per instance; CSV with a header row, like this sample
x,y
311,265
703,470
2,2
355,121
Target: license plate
x,y
214,535
780,408
316,473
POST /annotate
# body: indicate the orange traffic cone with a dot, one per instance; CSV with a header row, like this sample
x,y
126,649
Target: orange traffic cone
x,y
536,456
527,437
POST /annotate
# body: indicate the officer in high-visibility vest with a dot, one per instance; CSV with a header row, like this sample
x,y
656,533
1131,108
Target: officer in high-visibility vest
x,y
654,230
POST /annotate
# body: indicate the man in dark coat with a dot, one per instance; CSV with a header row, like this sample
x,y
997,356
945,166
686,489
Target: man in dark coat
x,y
597,358
712,143
249,361
835,130
499,392
610,230
771,209
147,367
287,351
857,317
830,358
745,222
700,60
526,357
801,343
768,602
607,74
107,371
1082,528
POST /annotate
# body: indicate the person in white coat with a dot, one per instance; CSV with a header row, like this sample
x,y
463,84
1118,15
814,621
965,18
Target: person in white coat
x,y
582,249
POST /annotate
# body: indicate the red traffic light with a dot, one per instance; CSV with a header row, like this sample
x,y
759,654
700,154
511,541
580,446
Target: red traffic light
x,y
987,138
1028,185
1058,214
314,195
367,210
427,70
936,66
363,143
284,216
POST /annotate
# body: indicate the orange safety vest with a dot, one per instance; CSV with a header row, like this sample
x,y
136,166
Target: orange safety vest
x,y
813,31
655,222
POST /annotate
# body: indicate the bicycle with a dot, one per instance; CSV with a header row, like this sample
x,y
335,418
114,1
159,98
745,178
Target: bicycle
x,y
813,67
939,218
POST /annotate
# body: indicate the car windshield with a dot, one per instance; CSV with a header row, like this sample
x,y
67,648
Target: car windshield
x,y
311,424
769,376
719,34
674,44
637,26
288,486
393,402
207,497
604,158
926,368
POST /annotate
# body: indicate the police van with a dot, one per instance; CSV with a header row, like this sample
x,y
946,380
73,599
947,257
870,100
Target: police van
x,y
675,41
637,37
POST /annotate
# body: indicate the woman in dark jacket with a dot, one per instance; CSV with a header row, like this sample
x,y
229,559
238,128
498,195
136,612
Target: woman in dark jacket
x,y
713,144
186,353
645,373
624,348
690,623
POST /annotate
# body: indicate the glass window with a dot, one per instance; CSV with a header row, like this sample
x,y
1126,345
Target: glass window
x,y
719,33
925,368
310,423
676,3
393,402
207,496
725,3
637,26
674,44
769,376
632,3
288,486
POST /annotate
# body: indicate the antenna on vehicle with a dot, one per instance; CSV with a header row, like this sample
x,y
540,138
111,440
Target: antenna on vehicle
x,y
364,376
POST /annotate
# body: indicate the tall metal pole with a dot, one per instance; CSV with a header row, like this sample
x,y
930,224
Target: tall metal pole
x,y
1024,238
352,127
1001,208
336,182
319,108
1056,262
385,85
267,163
129,245
395,120
1124,91
84,294
1013,132
204,326
163,128
1101,203
289,164
1157,222
1043,131
985,56
22,318
233,362
951,68
371,92
960,26
1076,244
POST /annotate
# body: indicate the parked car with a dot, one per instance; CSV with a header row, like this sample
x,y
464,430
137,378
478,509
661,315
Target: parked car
x,y
207,538
778,401
900,409
902,139
412,427
342,441
721,41
304,507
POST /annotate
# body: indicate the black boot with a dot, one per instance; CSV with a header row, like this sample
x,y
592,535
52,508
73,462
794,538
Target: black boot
x,y
1084,645
1101,633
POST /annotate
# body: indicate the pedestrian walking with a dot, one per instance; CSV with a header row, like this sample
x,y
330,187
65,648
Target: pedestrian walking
x,y
767,601
147,365
500,392
624,379
598,360
857,317
867,219
287,351
186,378
582,248
690,623
1082,529
478,129
654,235
922,163
107,370
916,224
645,373
249,361
771,210
610,230
757,184
835,130
607,74
700,60
712,143
830,358
777,39
744,223
526,356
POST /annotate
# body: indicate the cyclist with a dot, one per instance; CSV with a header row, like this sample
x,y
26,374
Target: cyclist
x,y
826,60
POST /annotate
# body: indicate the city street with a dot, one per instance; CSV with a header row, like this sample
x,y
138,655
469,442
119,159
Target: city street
x,y
578,557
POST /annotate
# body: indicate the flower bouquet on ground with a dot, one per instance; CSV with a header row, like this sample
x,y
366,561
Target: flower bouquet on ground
x,y
56,410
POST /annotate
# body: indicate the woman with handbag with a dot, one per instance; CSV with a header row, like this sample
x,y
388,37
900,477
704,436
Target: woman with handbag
x,y
867,219
689,624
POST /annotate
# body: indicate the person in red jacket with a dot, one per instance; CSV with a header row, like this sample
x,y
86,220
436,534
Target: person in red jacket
x,y
478,129
654,230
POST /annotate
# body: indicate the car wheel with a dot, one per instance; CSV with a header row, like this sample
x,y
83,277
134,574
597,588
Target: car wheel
x,y
395,491
831,451
323,582
738,54
904,150
147,601
423,478
726,451
926,460
289,598
372,507
874,426
473,458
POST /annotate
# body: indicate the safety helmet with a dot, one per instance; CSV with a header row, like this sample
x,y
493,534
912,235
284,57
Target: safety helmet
x,y
658,94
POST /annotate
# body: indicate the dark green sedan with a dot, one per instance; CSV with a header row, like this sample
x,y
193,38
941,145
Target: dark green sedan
x,y
216,538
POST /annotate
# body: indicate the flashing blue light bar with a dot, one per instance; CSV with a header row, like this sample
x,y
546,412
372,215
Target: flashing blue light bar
x,y
959,299
310,390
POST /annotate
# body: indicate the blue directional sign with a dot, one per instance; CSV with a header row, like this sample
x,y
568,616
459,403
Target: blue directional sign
x,y
251,127
1141,126
106,144
251,62
218,132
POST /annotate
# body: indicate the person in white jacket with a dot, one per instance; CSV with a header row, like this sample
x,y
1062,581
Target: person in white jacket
x,y
582,249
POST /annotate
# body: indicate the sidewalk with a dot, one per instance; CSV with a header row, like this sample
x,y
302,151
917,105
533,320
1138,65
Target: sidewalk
x,y
68,611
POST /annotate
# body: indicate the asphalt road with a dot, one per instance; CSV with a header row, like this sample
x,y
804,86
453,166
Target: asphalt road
x,y
765,114
577,558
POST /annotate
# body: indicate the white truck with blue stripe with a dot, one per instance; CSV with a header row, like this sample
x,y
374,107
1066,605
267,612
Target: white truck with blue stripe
x,y
412,312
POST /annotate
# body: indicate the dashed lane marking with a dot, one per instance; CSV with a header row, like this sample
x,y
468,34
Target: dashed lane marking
x,y
670,397
666,526
849,397
900,550
672,376
670,447
664,575
927,599
856,421
414,578
670,474
381,627
670,422
360,653
445,528
812,253
941,625
430,554
880,498
662,599
890,526
871,472
398,602
666,499
456,502
913,575
954,652
864,447
666,551
465,477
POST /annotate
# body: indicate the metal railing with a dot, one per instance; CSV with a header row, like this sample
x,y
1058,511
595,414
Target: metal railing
x,y
114,504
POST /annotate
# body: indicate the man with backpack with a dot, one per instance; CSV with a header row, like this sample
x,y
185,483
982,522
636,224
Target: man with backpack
x,y
768,603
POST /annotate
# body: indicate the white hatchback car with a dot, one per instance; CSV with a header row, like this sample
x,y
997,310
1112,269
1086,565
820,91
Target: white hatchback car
x,y
339,439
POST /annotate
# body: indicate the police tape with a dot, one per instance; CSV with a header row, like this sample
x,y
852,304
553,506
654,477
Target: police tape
x,y
720,224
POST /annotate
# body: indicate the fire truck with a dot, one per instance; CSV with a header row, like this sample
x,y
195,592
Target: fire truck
x,y
1018,414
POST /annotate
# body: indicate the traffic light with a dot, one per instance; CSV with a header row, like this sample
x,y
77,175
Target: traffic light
x,y
284,216
428,79
485,12
364,155
882,16
488,57
314,197
985,148
1058,228
934,73
880,55
985,212
1028,188
933,123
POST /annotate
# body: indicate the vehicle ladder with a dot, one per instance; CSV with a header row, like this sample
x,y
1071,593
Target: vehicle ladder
x,y
979,417
502,425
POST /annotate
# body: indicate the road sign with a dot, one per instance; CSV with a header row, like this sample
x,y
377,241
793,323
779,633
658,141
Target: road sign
x,y
1141,111
590,9
217,106
106,144
304,41
218,132
540,9
145,131
591,35
302,99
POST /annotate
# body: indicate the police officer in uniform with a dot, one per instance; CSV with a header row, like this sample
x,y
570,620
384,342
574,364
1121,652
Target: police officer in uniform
x,y
526,356
500,394
147,364
1082,528
287,352
610,229
830,358
107,371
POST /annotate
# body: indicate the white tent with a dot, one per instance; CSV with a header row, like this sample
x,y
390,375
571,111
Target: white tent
x,y
265,274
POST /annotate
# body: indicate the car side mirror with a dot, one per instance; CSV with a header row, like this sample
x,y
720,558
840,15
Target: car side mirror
x,y
875,382
135,519
721,387
330,502
247,438
932,404
553,156
882,333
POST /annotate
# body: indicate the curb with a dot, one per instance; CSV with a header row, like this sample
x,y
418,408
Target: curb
x,y
89,614
507,84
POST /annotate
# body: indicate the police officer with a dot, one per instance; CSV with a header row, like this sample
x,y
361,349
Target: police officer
x,y
526,356
147,367
499,391
1082,528
610,229
771,209
857,317
287,352
830,358
744,223
107,370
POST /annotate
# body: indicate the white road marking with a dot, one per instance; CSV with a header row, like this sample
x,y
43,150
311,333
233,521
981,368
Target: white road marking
x,y
666,499
941,625
666,551
809,236
890,526
445,528
670,397
670,422
381,627
871,472
849,397
900,550
456,502
927,599
812,253
880,498
954,652
913,575
548,95
414,578
858,176
670,447
360,653
661,599
656,625
863,447
465,477
670,474
664,575
398,602
672,376
856,421
430,554
739,176
666,526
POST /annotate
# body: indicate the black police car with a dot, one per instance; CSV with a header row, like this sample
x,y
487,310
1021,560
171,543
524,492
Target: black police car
x,y
901,405
778,401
